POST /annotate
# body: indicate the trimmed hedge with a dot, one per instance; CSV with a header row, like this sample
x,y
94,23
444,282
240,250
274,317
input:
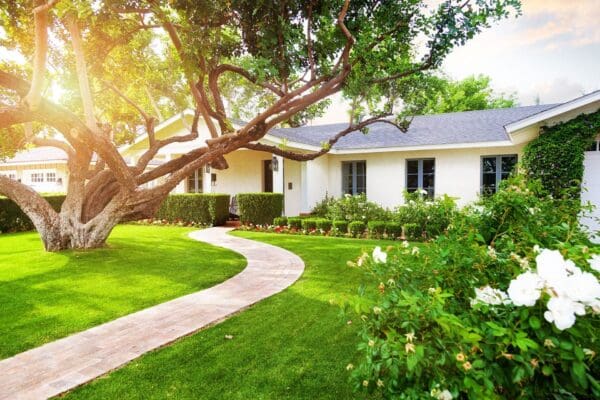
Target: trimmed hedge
x,y
376,228
340,226
199,208
309,224
12,219
356,228
393,229
259,208
295,223
280,221
323,224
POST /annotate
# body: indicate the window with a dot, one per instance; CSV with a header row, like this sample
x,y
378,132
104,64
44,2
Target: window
x,y
50,176
354,177
420,174
9,175
37,177
194,182
494,169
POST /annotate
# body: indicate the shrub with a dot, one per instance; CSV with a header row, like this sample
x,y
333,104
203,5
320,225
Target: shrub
x,y
321,208
393,229
280,221
340,227
309,224
259,208
198,208
324,224
13,219
376,228
295,222
355,208
356,228
424,218
458,319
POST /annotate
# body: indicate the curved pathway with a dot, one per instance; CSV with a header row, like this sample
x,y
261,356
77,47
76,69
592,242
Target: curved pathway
x,y
62,365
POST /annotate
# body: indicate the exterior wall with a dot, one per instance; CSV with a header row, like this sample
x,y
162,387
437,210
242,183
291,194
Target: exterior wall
x,y
245,173
457,172
23,174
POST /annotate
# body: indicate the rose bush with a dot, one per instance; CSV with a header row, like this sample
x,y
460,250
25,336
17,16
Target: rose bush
x,y
504,305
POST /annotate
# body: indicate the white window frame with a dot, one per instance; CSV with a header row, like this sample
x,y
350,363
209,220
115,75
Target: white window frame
x,y
9,174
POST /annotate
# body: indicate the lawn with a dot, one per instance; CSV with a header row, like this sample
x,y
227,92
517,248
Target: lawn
x,y
294,345
46,296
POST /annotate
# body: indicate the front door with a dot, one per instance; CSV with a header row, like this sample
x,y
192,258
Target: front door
x,y
268,176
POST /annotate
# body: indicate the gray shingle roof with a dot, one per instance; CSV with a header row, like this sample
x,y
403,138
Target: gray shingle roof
x,y
452,128
41,154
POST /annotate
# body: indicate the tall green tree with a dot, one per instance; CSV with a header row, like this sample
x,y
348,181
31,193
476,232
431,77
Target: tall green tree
x,y
437,94
121,63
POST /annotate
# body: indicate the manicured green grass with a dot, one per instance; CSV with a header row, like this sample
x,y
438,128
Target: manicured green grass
x,y
46,296
294,345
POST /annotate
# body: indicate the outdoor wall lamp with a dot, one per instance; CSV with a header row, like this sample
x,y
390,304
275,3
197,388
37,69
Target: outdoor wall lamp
x,y
213,179
275,164
207,168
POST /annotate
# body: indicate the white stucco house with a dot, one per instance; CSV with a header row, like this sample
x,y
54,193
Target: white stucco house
x,y
458,154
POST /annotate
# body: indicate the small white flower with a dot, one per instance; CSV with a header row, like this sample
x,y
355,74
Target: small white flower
x,y
377,310
415,251
491,296
379,256
491,252
445,395
410,336
405,244
525,289
536,249
349,367
379,383
423,192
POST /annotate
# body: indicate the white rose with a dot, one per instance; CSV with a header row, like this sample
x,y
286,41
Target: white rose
x,y
445,395
561,311
525,289
379,256
489,295
551,267
582,287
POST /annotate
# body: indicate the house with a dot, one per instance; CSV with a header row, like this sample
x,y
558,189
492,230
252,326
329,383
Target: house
x,y
458,154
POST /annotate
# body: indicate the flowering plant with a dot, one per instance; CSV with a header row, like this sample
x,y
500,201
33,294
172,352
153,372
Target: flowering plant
x,y
514,314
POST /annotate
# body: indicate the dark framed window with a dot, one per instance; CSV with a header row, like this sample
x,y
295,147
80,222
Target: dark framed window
x,y
194,182
354,177
420,174
494,169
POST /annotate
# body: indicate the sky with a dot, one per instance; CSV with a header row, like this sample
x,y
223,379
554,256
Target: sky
x,y
551,51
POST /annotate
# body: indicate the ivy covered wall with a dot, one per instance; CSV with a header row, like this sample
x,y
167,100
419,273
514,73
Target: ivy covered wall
x,y
556,156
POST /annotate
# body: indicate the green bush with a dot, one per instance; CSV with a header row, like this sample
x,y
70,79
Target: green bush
x,y
393,229
309,224
324,224
198,208
280,221
340,227
259,208
556,155
295,223
441,321
356,228
12,219
355,208
321,208
425,218
376,228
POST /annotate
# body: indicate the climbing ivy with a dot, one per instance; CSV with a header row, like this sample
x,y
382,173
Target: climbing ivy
x,y
556,156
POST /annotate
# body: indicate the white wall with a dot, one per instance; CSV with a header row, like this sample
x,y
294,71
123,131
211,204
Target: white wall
x,y
245,173
457,172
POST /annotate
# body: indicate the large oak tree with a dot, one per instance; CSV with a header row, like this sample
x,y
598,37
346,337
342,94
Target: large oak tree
x,y
120,65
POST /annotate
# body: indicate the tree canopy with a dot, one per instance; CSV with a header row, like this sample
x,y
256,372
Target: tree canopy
x,y
100,73
438,94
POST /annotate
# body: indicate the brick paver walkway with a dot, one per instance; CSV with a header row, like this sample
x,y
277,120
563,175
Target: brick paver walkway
x,y
67,363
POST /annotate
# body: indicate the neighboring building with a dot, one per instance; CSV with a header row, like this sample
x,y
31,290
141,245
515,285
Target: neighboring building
x,y
42,168
458,154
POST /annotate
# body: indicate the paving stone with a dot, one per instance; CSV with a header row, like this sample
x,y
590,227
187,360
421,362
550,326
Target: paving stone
x,y
59,366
